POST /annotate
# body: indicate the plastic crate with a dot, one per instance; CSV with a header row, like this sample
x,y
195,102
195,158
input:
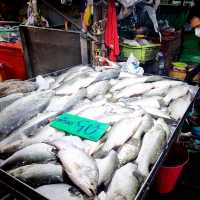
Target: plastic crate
x,y
11,57
143,53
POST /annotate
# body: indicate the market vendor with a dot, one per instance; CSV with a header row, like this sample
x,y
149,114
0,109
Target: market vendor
x,y
194,19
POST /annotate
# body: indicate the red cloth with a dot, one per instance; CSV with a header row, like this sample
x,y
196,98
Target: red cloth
x,y
111,33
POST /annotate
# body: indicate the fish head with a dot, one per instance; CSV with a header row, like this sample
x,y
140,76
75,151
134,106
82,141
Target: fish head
x,y
88,186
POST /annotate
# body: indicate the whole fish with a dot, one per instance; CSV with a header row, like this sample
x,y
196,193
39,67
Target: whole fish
x,y
71,73
57,103
134,80
176,92
167,83
154,101
58,192
107,75
73,85
6,101
62,143
127,82
94,112
92,146
107,167
146,124
160,91
152,145
112,118
31,126
21,111
81,169
35,153
46,134
129,151
39,174
115,136
178,107
124,184
156,112
17,86
134,90
71,101
85,104
98,88
165,127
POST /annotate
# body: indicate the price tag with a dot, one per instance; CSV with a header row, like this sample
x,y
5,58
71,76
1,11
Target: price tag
x,y
82,127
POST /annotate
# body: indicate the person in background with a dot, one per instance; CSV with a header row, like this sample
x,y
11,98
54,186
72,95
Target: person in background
x,y
194,19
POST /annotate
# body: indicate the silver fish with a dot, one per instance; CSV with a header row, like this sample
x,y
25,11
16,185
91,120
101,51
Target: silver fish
x,y
17,138
160,91
98,88
17,86
73,85
35,153
112,118
94,112
58,192
92,146
71,73
167,83
154,101
124,184
21,111
152,145
134,90
107,75
81,169
175,93
129,151
165,127
107,167
156,112
46,134
115,136
178,107
6,101
57,103
128,82
85,104
147,123
62,143
39,174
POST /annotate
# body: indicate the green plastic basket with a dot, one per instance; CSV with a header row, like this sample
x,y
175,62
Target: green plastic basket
x,y
143,53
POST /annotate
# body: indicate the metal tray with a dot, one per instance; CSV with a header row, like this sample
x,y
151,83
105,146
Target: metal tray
x,y
26,192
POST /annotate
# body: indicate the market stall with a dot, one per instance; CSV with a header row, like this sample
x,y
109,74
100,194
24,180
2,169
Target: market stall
x,y
102,130
123,109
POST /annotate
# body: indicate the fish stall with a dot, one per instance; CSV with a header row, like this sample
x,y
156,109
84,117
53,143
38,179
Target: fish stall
x,y
142,116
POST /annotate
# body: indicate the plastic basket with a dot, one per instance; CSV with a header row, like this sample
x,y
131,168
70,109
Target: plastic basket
x,y
143,53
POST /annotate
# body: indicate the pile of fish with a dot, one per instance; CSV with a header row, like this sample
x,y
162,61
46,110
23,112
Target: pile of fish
x,y
139,110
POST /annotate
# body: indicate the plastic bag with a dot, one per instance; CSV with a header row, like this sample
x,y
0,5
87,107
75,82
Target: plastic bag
x,y
133,66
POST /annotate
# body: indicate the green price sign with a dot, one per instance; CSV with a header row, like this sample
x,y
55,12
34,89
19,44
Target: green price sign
x,y
82,127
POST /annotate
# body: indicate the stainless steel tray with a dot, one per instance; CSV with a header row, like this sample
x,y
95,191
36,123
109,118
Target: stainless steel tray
x,y
29,193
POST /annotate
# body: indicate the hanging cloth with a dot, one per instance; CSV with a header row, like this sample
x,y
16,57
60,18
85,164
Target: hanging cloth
x,y
111,33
